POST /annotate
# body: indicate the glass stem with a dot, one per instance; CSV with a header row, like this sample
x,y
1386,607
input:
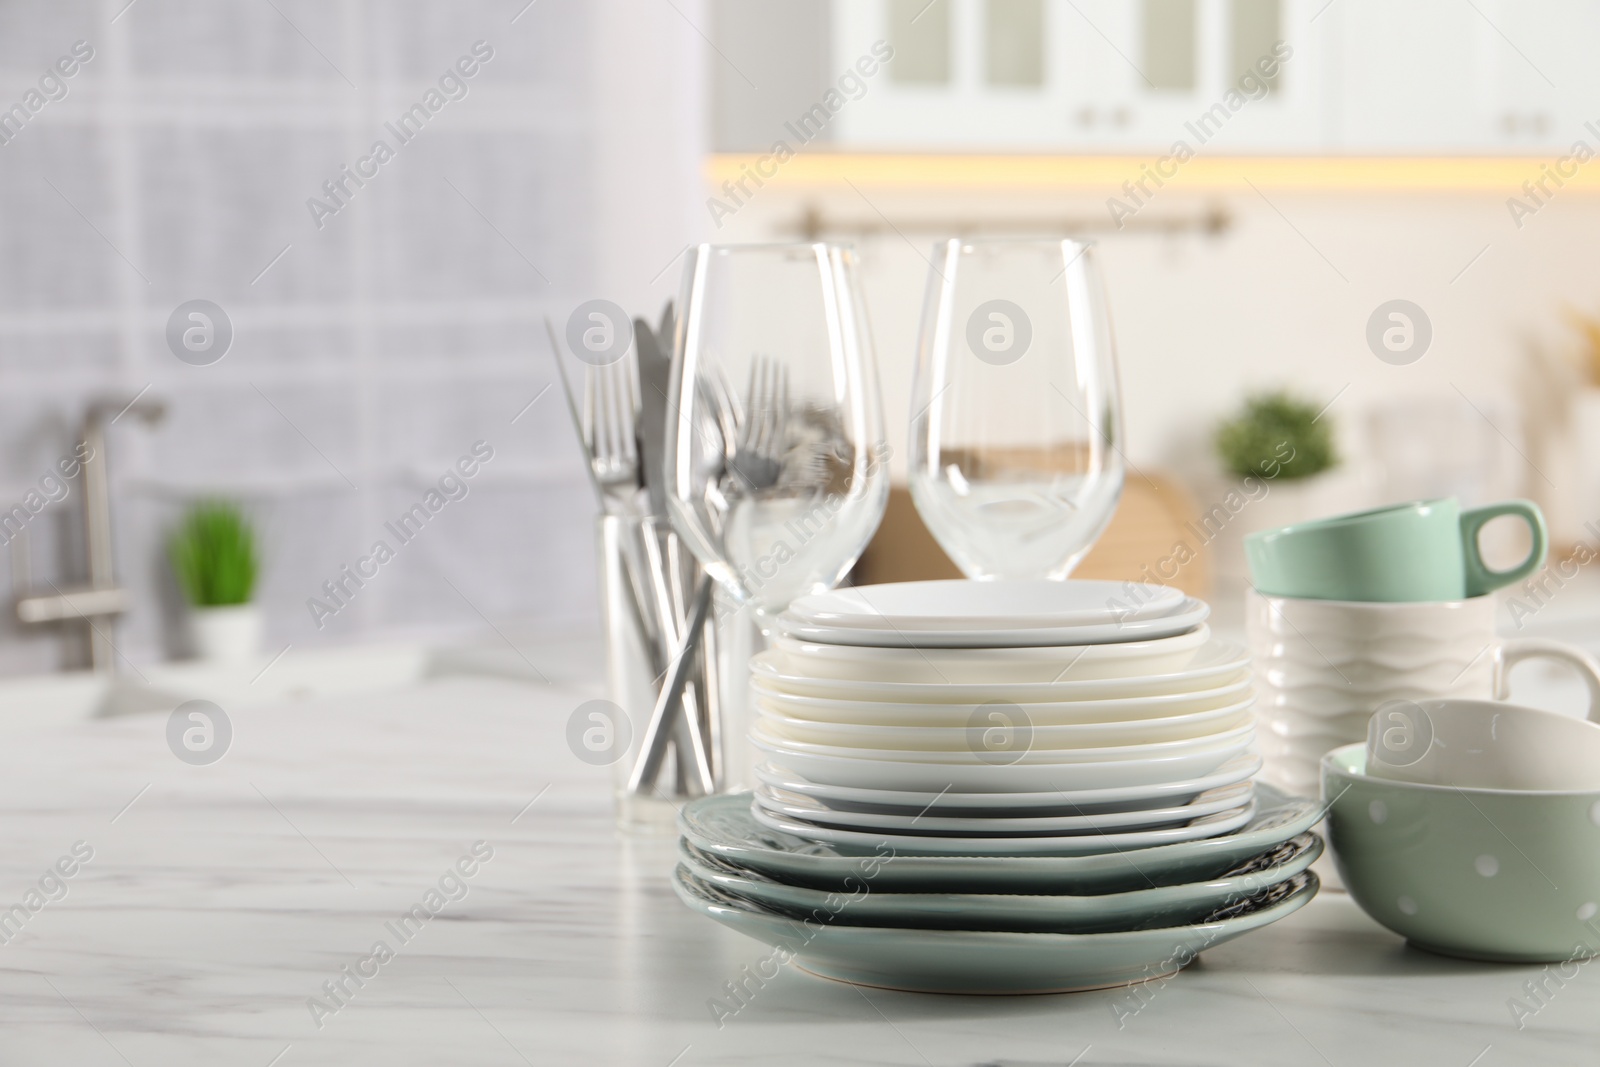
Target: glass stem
x,y
738,638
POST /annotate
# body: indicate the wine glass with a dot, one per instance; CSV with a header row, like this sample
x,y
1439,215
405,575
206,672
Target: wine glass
x,y
1016,463
776,461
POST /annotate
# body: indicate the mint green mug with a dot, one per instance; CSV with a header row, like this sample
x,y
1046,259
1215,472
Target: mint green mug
x,y
1423,551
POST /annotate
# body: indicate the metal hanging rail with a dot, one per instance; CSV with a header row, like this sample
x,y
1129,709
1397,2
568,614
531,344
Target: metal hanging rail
x,y
812,223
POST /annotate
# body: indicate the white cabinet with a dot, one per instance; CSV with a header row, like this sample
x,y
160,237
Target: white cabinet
x,y
1404,77
1137,76
1541,72
1100,75
939,91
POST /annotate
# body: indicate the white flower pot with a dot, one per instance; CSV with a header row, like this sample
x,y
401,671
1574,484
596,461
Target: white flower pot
x,y
225,635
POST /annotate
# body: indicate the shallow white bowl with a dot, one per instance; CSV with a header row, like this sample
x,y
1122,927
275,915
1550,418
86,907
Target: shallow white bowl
x,y
1050,802
1057,713
934,820
1024,776
999,845
1006,749
1215,664
984,666
968,734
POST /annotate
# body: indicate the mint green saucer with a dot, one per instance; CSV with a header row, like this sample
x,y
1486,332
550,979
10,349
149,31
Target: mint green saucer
x,y
986,962
1028,913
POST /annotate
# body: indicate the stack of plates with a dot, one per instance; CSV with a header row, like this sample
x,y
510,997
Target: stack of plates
x,y
934,749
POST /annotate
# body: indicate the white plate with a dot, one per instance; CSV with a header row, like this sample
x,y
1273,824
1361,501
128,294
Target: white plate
x,y
1217,663
1059,845
796,806
1005,745
969,735
1049,665
1023,777
1052,802
959,604
724,826
1186,617
1058,713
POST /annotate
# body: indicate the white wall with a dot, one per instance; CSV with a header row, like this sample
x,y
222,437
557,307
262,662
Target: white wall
x,y
1202,320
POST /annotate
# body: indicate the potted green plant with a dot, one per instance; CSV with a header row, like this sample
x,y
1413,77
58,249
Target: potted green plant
x,y
213,554
1277,452
1277,437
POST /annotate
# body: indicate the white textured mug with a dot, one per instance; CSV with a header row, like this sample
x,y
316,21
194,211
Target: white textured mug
x,y
1323,667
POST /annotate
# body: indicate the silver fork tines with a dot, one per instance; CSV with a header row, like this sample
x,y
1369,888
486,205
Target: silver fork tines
x,y
610,396
763,433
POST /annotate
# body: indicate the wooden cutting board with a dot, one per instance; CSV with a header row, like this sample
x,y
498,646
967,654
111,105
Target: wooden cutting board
x,y
1154,536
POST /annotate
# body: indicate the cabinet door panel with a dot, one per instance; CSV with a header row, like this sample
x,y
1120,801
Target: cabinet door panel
x,y
1539,62
1406,75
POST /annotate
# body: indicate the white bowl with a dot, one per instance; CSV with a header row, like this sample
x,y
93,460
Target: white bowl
x,y
1010,745
1057,713
986,666
1483,744
1053,801
1215,664
985,845
1032,773
933,820
964,736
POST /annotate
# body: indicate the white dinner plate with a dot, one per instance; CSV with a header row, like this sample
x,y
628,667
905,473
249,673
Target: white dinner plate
x,y
1049,665
1080,844
956,604
724,826
1051,802
1217,663
1189,614
1057,713
969,735
1021,777
933,820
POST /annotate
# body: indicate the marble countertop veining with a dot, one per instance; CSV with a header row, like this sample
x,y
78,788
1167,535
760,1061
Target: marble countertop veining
x,y
233,913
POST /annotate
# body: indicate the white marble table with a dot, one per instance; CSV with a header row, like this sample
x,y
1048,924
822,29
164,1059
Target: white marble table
x,y
220,899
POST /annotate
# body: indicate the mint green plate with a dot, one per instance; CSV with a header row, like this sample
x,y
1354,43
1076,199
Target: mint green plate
x,y
724,827
1136,909
989,962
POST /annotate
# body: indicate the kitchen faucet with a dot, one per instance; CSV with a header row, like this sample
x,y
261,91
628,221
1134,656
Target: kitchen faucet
x,y
101,598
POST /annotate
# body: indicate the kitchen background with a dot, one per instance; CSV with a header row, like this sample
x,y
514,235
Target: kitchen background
x,y
370,352
383,343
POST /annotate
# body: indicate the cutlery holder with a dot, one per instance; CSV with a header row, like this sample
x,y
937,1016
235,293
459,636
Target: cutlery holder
x,y
647,581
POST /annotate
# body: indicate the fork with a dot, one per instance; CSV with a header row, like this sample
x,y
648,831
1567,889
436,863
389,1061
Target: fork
x,y
755,462
610,398
762,439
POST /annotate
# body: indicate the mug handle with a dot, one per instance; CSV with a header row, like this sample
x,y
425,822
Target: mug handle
x,y
1479,578
1513,651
